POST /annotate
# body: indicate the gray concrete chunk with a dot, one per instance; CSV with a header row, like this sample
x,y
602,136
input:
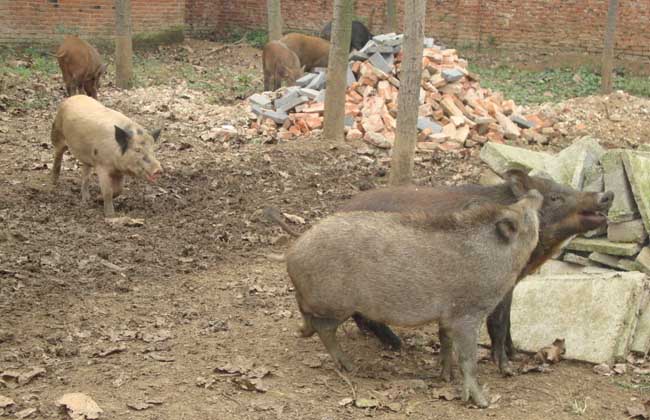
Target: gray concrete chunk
x,y
637,167
452,75
428,42
390,39
521,121
305,79
632,231
390,59
321,96
262,101
552,267
378,61
604,246
575,164
277,117
624,207
605,259
641,341
358,56
289,101
424,122
310,93
595,313
350,76
643,259
572,258
318,82
501,158
348,121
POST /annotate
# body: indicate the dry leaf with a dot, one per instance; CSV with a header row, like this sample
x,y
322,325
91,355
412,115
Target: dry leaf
x,y
138,406
125,221
638,411
551,354
366,403
80,406
346,401
620,368
603,369
23,414
447,394
294,219
5,402
109,351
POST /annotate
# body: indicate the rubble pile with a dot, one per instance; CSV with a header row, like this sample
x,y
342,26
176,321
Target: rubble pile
x,y
585,165
455,111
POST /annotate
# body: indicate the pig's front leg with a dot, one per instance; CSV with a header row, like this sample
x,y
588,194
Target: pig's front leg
x,y
86,171
106,187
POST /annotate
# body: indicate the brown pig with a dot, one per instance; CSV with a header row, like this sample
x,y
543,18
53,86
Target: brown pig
x,y
81,66
279,63
105,140
412,268
312,51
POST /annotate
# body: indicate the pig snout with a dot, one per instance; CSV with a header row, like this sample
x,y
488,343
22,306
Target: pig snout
x,y
155,174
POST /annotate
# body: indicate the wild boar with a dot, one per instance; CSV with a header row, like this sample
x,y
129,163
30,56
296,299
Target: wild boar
x,y
312,51
565,212
412,268
81,66
279,63
360,34
105,140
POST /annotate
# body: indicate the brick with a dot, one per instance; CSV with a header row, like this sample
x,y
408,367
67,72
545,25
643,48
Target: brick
x,y
354,134
373,123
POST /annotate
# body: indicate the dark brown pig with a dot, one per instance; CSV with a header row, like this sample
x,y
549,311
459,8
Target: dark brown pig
x,y
279,63
565,212
81,66
412,268
105,140
312,51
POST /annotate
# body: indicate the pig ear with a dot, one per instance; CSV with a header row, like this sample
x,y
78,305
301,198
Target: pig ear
x,y
507,228
122,138
156,133
519,182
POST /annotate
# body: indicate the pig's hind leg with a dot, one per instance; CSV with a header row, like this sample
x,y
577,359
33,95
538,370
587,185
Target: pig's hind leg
x,y
464,333
59,149
446,354
86,172
326,329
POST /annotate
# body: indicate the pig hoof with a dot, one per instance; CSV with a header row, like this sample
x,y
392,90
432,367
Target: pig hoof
x,y
507,370
306,331
446,374
345,364
477,397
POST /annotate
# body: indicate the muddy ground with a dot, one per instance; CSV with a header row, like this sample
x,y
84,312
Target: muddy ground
x,y
183,317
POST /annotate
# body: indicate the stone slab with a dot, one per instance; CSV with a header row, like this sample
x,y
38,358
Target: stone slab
x,y
643,259
632,231
604,246
641,341
572,258
289,101
522,122
318,82
358,56
595,313
452,75
605,259
644,148
351,78
424,122
378,61
637,168
576,164
501,158
624,207
260,100
321,97
276,116
310,93
390,39
305,79
553,267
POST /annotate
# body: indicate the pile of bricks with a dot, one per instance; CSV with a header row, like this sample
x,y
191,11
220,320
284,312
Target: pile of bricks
x,y
455,111
621,245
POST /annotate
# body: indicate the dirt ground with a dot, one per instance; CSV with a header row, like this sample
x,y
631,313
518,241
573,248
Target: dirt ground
x,y
183,317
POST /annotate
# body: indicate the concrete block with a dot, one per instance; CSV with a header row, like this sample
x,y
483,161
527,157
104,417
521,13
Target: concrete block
x,y
601,231
576,163
289,101
351,78
643,259
624,207
318,82
277,116
310,93
632,231
428,42
321,97
262,101
501,157
319,69
641,341
595,313
637,168
605,259
348,121
358,56
521,121
572,258
452,75
390,39
626,264
604,246
390,59
305,79
424,122
378,61
553,267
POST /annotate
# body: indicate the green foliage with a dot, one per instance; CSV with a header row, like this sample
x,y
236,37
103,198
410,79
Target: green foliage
x,y
255,37
552,85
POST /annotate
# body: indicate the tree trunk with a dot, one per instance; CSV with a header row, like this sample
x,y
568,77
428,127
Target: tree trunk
x,y
123,45
337,71
409,93
608,49
274,16
391,16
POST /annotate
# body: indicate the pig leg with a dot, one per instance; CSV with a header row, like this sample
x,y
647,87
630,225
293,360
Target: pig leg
x,y
117,183
59,150
446,354
498,323
381,331
326,329
106,187
464,333
267,81
86,171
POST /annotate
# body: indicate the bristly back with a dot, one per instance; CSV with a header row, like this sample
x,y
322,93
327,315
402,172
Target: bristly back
x,y
479,213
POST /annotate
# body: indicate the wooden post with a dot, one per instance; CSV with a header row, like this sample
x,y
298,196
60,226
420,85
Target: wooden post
x,y
608,49
337,71
274,17
408,101
123,45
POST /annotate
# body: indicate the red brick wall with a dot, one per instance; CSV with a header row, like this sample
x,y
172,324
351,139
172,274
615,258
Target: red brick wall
x,y
44,20
566,25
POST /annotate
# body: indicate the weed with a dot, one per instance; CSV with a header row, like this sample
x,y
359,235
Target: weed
x,y
577,408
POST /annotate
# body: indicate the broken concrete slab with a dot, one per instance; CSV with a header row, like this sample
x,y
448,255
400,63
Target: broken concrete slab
x,y
604,246
428,42
553,267
501,158
378,61
318,82
632,231
351,78
521,121
637,168
358,56
626,264
310,93
391,39
573,165
289,101
262,101
321,96
580,309
605,259
510,129
305,79
452,75
276,116
624,207
572,258
424,123
643,259
641,342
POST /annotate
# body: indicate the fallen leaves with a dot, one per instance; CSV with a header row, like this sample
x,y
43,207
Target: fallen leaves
x,y
125,221
553,353
6,402
245,374
605,370
15,378
79,406
639,410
